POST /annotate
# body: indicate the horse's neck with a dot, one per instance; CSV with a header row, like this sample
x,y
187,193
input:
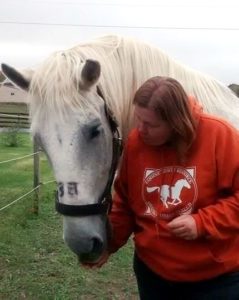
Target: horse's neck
x,y
179,184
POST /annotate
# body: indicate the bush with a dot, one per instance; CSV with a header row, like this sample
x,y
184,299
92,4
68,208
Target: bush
x,y
11,137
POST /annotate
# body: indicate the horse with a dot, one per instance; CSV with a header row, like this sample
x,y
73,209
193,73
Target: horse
x,y
81,104
167,192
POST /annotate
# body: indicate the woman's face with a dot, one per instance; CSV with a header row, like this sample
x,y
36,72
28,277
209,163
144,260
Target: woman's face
x,y
152,130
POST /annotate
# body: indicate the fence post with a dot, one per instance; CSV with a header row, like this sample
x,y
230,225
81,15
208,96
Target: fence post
x,y
36,176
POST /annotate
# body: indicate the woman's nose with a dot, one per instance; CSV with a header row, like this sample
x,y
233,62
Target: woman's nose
x,y
142,127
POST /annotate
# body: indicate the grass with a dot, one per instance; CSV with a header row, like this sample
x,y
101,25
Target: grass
x,y
34,262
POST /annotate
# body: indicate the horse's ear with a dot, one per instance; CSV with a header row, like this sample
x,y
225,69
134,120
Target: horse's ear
x,y
90,73
19,79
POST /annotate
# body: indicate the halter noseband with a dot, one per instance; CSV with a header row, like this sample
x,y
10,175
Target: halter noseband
x,y
105,201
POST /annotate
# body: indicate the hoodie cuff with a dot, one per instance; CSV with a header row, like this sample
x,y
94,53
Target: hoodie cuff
x,y
113,247
200,228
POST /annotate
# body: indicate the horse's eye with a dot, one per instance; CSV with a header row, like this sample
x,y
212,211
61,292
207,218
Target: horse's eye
x,y
94,132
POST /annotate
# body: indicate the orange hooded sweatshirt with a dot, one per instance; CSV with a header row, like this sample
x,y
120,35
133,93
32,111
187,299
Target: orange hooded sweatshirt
x,y
152,188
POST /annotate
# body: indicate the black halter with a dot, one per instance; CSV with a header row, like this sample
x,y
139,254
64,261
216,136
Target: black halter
x,y
105,201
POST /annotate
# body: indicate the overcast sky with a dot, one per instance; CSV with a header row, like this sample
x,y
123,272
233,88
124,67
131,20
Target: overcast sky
x,y
202,34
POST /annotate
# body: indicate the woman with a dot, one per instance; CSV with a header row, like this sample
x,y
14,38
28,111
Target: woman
x,y
177,191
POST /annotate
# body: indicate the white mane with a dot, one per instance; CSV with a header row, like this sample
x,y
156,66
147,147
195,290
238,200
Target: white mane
x,y
126,63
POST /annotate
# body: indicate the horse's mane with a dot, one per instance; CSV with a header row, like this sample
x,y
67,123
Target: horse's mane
x,y
126,63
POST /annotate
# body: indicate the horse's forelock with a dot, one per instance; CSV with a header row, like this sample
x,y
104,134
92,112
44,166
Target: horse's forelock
x,y
55,84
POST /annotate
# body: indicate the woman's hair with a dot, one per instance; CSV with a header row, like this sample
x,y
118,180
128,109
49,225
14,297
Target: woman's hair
x,y
167,98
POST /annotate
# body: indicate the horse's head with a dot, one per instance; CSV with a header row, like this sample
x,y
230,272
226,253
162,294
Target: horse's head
x,y
72,126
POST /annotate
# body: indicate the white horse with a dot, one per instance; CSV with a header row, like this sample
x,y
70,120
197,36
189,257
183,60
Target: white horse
x,y
167,192
71,93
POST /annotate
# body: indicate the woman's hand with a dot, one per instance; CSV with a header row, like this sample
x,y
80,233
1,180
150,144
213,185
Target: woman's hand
x,y
99,263
184,227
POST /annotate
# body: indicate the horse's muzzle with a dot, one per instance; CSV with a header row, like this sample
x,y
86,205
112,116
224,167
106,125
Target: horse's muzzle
x,y
94,255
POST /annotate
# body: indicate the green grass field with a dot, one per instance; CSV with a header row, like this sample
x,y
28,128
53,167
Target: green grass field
x,y
34,261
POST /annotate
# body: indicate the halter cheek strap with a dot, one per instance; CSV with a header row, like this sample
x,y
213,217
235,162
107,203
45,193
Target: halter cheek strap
x,y
105,202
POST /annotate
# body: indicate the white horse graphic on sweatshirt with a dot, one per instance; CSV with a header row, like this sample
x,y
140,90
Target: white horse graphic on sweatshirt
x,y
167,192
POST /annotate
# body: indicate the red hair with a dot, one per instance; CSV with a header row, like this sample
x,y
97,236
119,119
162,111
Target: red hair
x,y
167,98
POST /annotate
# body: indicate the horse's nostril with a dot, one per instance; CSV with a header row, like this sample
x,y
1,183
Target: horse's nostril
x,y
97,245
